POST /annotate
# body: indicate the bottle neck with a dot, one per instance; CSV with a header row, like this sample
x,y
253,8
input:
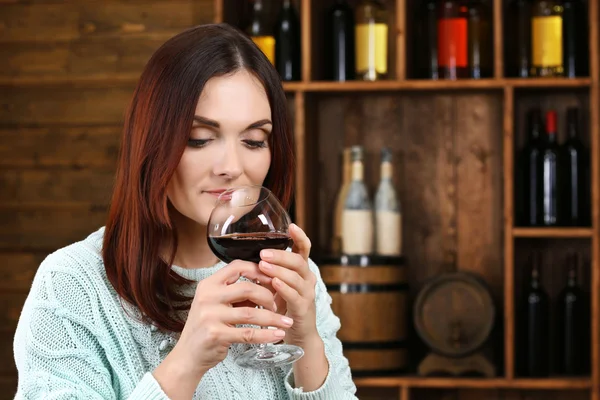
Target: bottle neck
x,y
572,129
386,171
287,4
357,171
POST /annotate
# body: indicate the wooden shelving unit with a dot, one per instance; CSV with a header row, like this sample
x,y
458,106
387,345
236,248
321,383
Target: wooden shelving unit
x,y
476,221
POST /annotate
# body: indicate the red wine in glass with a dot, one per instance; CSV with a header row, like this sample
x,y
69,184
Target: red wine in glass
x,y
245,221
247,246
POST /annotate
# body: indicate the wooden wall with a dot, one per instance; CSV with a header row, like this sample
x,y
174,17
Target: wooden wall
x,y
67,73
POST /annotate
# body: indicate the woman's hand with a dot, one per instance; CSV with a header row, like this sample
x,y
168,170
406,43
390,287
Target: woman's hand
x,y
294,284
220,303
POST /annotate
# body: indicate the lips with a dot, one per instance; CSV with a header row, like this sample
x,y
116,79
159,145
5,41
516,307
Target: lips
x,y
217,193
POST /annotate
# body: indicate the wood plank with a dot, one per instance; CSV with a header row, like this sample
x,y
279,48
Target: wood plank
x,y
552,232
306,43
12,304
17,269
594,21
52,147
7,366
301,161
115,19
30,106
70,21
509,284
78,57
47,228
467,383
498,18
8,385
478,136
43,22
401,30
27,186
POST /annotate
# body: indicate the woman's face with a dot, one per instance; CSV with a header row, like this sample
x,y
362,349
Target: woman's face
x,y
228,144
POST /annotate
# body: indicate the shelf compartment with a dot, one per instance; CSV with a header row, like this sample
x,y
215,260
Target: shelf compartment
x,y
552,232
470,383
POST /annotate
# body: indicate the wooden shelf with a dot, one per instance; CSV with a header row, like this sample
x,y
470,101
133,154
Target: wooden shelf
x,y
548,82
319,86
470,383
552,232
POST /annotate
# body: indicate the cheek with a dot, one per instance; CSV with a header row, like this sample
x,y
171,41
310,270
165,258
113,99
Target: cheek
x,y
184,179
260,166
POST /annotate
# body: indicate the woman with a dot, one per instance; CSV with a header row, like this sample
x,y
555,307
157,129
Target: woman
x,y
142,309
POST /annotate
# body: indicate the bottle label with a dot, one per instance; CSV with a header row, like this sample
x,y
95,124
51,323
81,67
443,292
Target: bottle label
x,y
452,42
357,231
267,45
389,233
371,47
546,41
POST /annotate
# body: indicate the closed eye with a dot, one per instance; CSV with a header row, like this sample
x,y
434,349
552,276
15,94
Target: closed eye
x,y
198,143
255,144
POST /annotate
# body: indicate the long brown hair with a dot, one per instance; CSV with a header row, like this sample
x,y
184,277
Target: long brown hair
x,y
156,131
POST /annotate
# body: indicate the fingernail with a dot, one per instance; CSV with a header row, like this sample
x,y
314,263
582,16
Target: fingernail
x,y
266,265
279,333
266,254
293,226
287,321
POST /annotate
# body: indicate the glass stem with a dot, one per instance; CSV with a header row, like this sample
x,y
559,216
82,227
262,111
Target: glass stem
x,y
262,346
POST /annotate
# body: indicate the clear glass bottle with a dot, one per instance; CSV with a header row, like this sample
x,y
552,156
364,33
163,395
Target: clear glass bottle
x,y
371,40
336,245
388,217
357,216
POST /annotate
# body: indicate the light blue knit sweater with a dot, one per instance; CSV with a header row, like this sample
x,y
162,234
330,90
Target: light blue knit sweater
x,y
74,340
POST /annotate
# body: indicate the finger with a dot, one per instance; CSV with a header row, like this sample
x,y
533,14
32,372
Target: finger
x,y
253,335
247,291
289,294
280,303
302,243
237,269
256,316
291,278
286,259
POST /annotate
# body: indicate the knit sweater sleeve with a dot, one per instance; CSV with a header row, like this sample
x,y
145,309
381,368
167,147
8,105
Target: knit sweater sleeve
x,y
338,384
58,344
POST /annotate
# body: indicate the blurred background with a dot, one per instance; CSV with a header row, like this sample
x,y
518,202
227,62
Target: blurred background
x,y
447,172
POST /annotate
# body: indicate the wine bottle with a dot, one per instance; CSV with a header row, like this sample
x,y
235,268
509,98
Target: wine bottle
x,y
388,217
287,43
550,171
575,38
536,346
479,28
518,45
426,46
371,40
339,49
546,38
573,340
452,39
357,217
528,174
336,245
576,174
259,31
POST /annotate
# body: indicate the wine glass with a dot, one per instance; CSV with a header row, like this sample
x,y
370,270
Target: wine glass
x,y
245,220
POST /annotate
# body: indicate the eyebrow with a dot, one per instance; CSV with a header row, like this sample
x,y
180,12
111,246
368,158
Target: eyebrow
x,y
215,124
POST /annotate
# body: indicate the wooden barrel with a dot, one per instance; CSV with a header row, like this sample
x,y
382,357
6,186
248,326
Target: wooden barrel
x,y
370,296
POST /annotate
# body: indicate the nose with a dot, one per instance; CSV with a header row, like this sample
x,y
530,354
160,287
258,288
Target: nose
x,y
228,164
